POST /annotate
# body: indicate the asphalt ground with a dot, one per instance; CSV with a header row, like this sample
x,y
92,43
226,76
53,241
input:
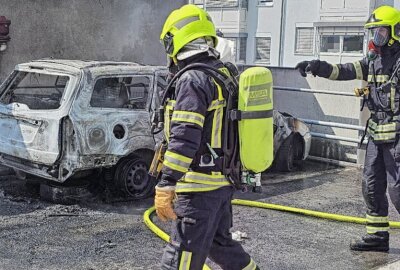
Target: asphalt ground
x,y
95,235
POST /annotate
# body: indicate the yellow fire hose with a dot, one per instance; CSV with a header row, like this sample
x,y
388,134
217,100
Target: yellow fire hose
x,y
336,217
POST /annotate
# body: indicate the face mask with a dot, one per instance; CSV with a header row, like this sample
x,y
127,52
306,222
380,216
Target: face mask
x,y
373,51
380,36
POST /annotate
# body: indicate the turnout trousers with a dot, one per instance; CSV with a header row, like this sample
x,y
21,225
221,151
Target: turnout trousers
x,y
202,230
381,172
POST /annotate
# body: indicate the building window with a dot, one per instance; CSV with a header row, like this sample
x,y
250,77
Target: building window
x,y
341,40
353,44
304,40
234,40
265,2
219,3
242,49
330,44
244,4
263,50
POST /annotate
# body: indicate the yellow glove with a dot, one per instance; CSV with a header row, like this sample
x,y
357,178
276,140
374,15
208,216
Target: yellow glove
x,y
163,202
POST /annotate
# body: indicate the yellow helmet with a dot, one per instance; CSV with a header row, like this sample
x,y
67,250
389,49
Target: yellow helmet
x,y
386,16
185,25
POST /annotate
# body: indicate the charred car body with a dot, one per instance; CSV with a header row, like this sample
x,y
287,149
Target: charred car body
x,y
292,141
62,119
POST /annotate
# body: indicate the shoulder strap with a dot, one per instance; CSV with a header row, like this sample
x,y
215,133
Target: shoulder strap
x,y
229,83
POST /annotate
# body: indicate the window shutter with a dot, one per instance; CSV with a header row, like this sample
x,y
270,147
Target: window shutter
x,y
242,48
222,3
304,40
263,49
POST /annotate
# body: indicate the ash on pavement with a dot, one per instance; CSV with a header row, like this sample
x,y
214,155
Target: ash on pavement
x,y
94,235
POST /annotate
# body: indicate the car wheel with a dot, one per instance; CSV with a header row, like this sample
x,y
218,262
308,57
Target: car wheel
x,y
65,193
285,158
132,178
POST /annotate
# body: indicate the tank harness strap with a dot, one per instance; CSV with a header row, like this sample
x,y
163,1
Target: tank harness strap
x,y
237,115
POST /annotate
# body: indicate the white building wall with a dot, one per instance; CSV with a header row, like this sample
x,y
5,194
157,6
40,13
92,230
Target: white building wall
x,y
299,13
268,24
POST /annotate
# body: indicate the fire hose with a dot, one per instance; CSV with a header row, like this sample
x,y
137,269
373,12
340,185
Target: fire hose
x,y
306,212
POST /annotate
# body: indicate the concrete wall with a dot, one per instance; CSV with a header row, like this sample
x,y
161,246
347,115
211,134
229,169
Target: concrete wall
x,y
122,30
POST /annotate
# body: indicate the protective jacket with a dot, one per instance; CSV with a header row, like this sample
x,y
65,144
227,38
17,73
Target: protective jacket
x,y
194,117
384,90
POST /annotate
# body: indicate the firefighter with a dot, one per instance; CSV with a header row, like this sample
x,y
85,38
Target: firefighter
x,y
382,161
202,212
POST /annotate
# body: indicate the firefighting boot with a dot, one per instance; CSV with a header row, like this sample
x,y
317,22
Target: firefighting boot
x,y
372,242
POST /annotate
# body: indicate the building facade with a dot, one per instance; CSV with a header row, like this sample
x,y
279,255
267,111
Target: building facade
x,y
283,32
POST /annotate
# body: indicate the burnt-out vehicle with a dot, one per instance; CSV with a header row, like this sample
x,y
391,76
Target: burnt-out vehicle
x,y
292,141
65,119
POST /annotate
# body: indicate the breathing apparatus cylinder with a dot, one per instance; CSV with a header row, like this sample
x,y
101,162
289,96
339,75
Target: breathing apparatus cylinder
x,y
256,135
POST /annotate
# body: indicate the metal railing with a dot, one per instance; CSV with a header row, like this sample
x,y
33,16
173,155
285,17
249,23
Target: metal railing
x,y
314,91
325,123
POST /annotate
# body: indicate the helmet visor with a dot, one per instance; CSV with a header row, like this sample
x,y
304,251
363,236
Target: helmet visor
x,y
380,36
168,42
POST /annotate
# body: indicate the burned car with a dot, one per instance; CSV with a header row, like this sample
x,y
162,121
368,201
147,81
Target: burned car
x,y
292,141
64,119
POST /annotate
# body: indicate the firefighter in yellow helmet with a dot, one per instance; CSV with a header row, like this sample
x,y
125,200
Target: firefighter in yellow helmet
x,y
194,113
381,69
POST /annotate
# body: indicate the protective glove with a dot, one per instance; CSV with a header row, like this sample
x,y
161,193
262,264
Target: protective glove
x,y
163,202
308,66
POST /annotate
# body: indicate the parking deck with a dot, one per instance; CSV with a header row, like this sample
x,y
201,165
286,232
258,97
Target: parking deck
x,y
94,235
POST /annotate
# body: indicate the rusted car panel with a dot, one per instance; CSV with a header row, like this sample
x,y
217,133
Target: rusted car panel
x,y
81,133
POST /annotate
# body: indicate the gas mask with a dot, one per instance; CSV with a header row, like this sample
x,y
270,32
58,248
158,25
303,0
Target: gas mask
x,y
380,37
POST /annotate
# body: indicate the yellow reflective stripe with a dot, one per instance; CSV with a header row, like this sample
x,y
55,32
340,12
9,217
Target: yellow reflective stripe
x,y
391,127
385,128
205,179
251,266
379,78
168,108
372,124
392,95
382,132
216,131
203,176
186,187
199,182
213,183
176,161
357,67
215,104
374,219
371,229
384,136
335,72
186,258
189,117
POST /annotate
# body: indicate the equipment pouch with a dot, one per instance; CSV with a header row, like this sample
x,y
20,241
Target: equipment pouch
x,y
158,159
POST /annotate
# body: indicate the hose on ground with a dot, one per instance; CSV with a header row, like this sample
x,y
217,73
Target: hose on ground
x,y
324,215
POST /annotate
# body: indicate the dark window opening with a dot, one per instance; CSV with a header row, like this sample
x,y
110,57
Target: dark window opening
x,y
36,90
121,92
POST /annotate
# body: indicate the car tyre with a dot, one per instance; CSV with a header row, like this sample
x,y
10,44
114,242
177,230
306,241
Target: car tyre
x,y
132,178
285,158
65,193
